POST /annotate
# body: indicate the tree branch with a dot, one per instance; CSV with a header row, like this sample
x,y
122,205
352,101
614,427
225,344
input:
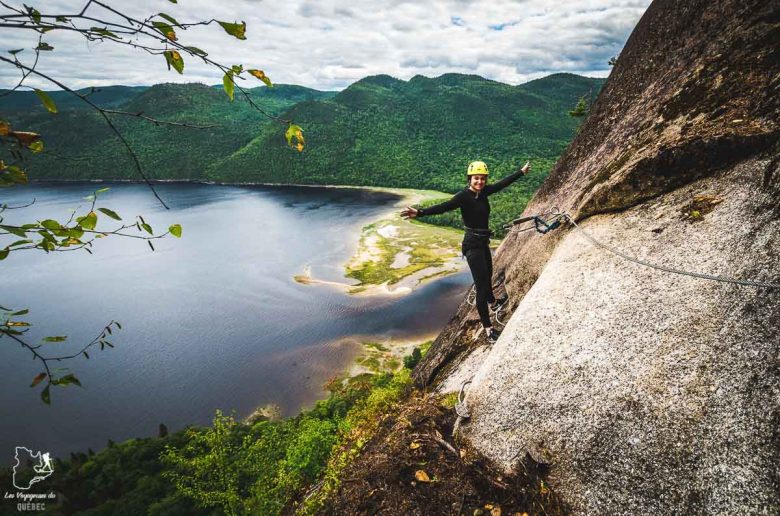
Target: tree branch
x,y
5,330
25,74
103,114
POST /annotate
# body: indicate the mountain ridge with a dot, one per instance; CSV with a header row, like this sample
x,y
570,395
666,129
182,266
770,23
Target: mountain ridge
x,y
380,131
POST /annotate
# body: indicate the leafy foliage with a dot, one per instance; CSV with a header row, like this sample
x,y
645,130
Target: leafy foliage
x,y
411,361
229,467
580,110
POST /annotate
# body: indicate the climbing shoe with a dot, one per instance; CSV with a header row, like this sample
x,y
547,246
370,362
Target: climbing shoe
x,y
498,304
492,335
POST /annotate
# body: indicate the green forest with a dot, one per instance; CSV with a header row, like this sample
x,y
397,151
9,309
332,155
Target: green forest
x,y
79,145
233,467
379,131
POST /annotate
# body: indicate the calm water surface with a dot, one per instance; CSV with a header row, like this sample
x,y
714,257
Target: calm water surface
x,y
211,320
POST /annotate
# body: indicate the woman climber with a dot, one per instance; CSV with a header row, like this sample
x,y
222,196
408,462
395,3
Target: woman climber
x,y
475,211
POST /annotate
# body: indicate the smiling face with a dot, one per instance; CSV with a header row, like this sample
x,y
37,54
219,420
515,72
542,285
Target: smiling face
x,y
477,182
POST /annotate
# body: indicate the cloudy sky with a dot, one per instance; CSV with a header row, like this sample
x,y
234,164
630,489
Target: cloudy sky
x,y
329,45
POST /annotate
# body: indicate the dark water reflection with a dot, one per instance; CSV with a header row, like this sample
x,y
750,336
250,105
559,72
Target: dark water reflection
x,y
210,321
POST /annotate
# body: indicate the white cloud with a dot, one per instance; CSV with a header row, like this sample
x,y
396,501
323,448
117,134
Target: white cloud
x,y
328,45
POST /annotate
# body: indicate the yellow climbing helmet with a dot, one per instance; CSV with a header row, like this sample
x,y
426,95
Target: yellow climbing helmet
x,y
477,168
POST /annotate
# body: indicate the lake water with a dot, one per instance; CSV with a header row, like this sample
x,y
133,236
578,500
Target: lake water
x,y
210,321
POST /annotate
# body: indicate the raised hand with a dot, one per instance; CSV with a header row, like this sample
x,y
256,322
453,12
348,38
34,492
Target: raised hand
x,y
409,213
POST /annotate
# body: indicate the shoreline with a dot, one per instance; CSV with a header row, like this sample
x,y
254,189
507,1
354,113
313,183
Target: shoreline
x,y
387,189
374,354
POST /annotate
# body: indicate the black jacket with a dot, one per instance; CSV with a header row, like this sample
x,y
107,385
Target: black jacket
x,y
474,207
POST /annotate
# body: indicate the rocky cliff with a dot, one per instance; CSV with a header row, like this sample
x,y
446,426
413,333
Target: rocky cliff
x,y
647,391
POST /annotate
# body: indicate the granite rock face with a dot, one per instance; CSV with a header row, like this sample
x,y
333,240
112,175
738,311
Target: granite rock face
x,y
647,391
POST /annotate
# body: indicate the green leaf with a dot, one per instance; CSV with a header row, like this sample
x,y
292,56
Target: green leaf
x,y
20,242
45,395
234,29
48,237
21,312
34,14
110,213
14,52
294,132
4,253
173,1
174,59
175,230
36,146
147,228
165,29
51,224
55,338
228,85
68,379
150,244
38,379
44,46
75,233
262,76
104,32
101,190
12,175
14,230
197,51
170,19
66,242
62,19
88,221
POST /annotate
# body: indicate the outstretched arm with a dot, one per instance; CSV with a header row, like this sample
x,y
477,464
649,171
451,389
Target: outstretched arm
x,y
410,213
508,180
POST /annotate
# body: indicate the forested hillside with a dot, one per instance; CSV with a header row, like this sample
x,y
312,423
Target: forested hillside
x,y
421,133
418,133
379,131
79,144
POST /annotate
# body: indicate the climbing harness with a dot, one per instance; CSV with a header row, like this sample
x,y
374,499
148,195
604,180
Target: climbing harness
x,y
461,409
478,232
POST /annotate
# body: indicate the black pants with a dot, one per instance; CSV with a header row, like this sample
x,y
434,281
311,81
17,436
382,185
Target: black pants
x,y
477,253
